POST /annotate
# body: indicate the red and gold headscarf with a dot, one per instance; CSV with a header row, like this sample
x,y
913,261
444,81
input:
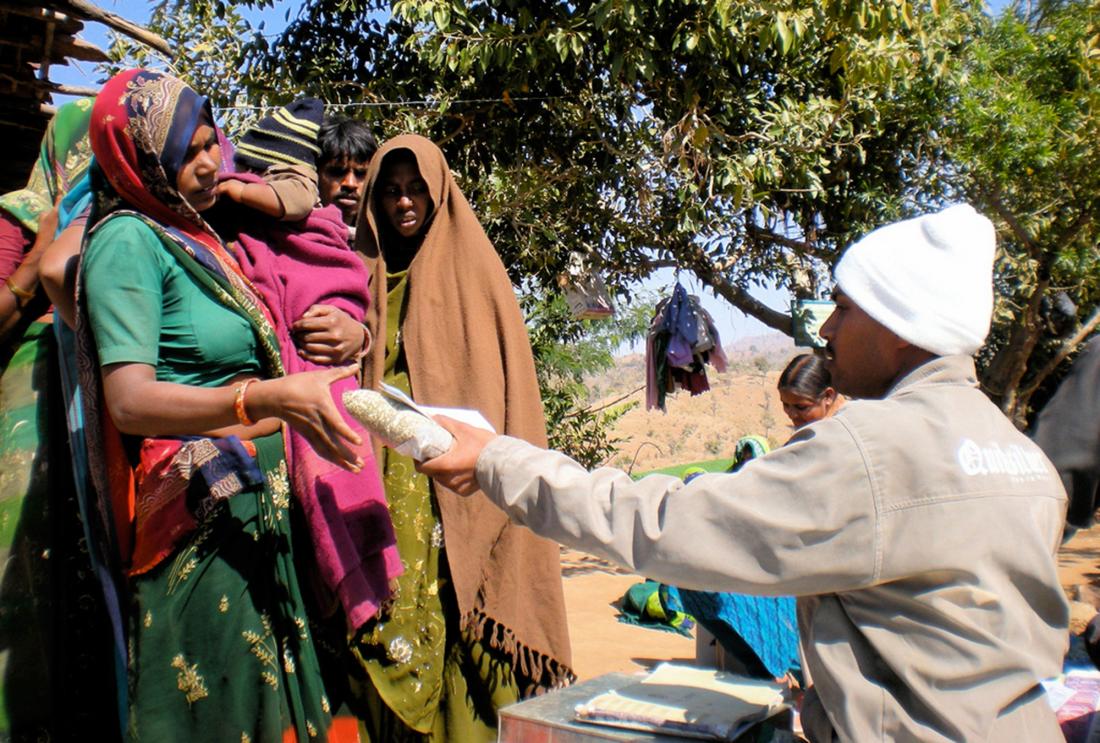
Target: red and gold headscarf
x,y
141,129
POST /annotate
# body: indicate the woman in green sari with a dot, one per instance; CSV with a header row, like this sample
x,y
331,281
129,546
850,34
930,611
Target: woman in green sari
x,y
185,401
55,645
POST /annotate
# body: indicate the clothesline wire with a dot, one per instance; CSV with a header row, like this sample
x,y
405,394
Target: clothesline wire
x,y
393,104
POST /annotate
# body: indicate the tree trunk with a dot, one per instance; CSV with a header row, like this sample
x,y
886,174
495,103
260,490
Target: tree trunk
x,y
1002,378
738,297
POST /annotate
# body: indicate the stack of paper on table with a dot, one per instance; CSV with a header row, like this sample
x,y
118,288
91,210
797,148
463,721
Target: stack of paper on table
x,y
689,702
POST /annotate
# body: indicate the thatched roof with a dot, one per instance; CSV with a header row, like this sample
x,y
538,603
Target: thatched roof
x,y
35,36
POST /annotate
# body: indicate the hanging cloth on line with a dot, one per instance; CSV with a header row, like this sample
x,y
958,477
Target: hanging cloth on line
x,y
682,339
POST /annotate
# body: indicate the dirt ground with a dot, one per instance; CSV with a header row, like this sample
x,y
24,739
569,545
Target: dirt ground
x,y
602,644
1079,571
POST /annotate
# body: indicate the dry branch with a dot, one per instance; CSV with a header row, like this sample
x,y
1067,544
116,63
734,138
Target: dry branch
x,y
88,11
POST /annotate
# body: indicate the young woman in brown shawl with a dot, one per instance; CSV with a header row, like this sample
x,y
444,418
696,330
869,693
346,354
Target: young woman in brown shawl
x,y
478,618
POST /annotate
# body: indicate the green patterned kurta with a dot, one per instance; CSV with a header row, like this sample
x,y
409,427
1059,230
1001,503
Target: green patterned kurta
x,y
423,680
220,648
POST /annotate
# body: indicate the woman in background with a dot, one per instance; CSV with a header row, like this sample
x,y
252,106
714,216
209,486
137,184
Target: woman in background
x,y
806,391
477,620
758,635
54,639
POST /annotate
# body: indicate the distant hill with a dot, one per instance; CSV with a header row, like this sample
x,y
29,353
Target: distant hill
x,y
741,401
776,348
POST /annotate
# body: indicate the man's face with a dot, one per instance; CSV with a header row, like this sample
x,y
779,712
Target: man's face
x,y
862,356
341,182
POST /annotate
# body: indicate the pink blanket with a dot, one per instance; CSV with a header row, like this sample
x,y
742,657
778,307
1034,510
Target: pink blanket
x,y
295,265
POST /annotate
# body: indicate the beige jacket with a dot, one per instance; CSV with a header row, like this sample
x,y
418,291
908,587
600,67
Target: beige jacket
x,y
919,531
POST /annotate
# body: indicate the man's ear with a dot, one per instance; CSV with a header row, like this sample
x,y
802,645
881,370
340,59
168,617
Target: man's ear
x,y
911,355
900,343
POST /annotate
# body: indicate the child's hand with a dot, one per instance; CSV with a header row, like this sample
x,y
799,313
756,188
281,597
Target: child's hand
x,y
327,335
231,188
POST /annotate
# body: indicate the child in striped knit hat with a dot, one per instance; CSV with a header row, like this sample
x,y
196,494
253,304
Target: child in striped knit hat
x,y
283,149
314,286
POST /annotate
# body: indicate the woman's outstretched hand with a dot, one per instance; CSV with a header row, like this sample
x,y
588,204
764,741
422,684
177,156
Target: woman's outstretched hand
x,y
456,470
327,335
305,402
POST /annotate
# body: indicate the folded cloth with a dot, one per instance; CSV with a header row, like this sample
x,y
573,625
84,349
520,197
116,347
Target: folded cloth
x,y
645,604
164,513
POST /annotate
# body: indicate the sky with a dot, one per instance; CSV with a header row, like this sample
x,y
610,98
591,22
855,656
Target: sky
x,y
82,73
732,324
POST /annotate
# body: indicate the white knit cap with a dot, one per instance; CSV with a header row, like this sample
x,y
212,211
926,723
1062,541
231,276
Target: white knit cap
x,y
929,279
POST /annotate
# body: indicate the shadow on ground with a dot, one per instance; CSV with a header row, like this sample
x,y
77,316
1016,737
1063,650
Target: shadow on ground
x,y
578,563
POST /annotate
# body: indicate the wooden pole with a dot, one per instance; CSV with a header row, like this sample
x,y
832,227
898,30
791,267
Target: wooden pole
x,y
77,90
70,48
47,50
89,11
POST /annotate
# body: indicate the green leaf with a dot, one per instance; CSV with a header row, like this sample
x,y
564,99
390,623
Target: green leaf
x,y
785,37
576,44
441,16
700,136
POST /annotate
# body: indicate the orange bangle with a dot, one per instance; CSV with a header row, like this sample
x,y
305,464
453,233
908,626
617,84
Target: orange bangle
x,y
238,403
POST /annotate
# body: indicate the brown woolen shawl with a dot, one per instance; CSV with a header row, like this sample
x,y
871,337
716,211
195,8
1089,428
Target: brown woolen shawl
x,y
466,346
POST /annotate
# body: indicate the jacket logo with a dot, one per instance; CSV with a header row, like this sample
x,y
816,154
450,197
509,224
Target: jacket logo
x,y
1013,460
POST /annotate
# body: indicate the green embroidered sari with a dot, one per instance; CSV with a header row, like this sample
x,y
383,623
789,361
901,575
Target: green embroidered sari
x,y
220,646
219,642
413,676
63,158
56,679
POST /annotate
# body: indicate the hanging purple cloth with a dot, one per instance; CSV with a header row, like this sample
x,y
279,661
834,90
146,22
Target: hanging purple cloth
x,y
682,339
682,325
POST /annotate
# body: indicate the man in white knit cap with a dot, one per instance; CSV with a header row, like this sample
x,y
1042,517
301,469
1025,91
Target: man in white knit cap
x,y
917,527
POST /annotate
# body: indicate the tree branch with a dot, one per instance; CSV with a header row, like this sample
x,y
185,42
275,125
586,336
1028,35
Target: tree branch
x,y
740,298
1067,348
605,406
1002,377
1013,223
758,233
84,9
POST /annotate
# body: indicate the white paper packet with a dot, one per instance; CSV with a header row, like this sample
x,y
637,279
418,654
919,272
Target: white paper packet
x,y
404,426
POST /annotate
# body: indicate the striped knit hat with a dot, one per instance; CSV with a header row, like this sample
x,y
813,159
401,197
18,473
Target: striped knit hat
x,y
288,136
